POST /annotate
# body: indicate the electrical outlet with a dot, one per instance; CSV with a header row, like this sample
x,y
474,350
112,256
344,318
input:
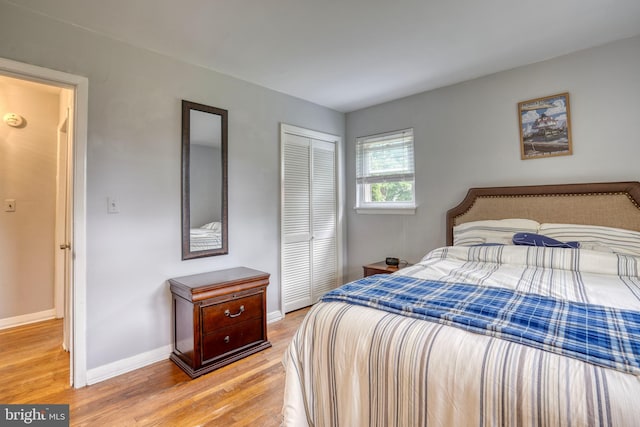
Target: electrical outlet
x,y
10,205
112,206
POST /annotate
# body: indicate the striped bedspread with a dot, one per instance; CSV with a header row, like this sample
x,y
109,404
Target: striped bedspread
x,y
592,333
355,365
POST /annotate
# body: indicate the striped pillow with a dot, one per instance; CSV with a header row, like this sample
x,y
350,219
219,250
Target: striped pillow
x,y
593,237
492,231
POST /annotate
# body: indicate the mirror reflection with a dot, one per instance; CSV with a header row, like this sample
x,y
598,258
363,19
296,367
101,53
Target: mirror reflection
x,y
204,181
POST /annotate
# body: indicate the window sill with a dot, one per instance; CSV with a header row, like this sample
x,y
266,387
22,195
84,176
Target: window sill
x,y
405,210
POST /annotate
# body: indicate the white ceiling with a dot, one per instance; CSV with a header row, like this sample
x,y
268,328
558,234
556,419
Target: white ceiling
x,y
350,54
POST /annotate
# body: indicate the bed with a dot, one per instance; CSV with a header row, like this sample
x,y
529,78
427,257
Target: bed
x,y
485,332
206,237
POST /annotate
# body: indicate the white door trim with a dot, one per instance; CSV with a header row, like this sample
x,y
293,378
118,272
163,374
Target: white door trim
x,y
80,86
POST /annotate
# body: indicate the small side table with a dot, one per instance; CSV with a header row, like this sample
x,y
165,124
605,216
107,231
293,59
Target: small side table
x,y
382,268
219,317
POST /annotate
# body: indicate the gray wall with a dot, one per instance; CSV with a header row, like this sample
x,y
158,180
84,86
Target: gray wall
x,y
133,155
28,158
466,135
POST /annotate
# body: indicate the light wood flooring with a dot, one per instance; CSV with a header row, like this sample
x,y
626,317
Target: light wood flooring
x,y
35,370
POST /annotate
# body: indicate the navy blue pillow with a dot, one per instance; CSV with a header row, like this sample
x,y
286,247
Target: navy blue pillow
x,y
531,239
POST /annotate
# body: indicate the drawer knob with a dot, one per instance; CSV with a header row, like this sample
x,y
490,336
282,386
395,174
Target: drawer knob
x,y
228,313
226,339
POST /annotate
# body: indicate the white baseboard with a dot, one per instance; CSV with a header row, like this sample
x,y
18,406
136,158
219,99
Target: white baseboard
x,y
141,360
25,319
129,364
274,316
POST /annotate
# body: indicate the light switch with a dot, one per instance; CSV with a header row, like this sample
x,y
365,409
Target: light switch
x,y
10,205
112,205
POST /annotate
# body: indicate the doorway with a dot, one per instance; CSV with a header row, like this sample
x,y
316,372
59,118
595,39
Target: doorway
x,y
70,136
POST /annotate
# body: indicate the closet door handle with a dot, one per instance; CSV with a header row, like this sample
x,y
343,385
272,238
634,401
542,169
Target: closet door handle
x,y
65,246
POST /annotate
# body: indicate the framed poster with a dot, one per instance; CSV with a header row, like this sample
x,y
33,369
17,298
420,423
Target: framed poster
x,y
545,127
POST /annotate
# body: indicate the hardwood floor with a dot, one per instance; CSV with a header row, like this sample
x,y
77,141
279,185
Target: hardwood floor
x,y
34,369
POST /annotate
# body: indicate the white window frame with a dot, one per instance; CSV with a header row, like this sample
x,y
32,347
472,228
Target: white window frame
x,y
365,177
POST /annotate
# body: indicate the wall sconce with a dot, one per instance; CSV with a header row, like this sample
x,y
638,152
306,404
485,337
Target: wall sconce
x,y
13,120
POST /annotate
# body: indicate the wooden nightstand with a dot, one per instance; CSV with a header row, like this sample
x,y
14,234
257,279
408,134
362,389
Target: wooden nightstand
x,y
381,268
219,317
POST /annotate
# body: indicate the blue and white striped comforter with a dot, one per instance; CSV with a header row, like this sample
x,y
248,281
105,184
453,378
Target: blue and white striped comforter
x,y
353,365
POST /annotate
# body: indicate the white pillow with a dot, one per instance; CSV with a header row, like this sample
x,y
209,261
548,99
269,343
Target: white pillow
x,y
215,226
594,237
492,231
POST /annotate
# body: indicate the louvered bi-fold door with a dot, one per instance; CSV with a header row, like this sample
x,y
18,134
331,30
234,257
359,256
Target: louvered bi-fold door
x,y
309,220
324,248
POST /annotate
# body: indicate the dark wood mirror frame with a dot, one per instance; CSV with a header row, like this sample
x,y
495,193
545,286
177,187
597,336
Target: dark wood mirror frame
x,y
187,253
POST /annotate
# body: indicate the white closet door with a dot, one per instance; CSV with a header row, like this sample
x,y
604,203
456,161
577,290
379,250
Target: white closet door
x,y
309,258
324,249
296,223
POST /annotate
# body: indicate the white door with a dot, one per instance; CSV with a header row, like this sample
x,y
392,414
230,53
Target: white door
x,y
75,298
309,216
63,222
324,247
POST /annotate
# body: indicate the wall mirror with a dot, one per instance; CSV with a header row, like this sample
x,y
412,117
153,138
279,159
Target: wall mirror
x,y
204,181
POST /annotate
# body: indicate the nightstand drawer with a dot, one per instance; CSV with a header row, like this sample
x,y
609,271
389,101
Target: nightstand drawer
x,y
231,312
224,340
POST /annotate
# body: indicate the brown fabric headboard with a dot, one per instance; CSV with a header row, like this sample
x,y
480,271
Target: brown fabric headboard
x,y
610,204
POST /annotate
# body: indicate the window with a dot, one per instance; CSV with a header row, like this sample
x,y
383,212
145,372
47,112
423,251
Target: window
x,y
385,179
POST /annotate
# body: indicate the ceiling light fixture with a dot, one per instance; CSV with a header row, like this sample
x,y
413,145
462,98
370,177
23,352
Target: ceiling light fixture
x,y
13,120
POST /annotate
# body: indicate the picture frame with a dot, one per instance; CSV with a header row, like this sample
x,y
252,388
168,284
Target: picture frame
x,y
545,127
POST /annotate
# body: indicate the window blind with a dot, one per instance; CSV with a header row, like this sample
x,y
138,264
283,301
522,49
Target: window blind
x,y
385,157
